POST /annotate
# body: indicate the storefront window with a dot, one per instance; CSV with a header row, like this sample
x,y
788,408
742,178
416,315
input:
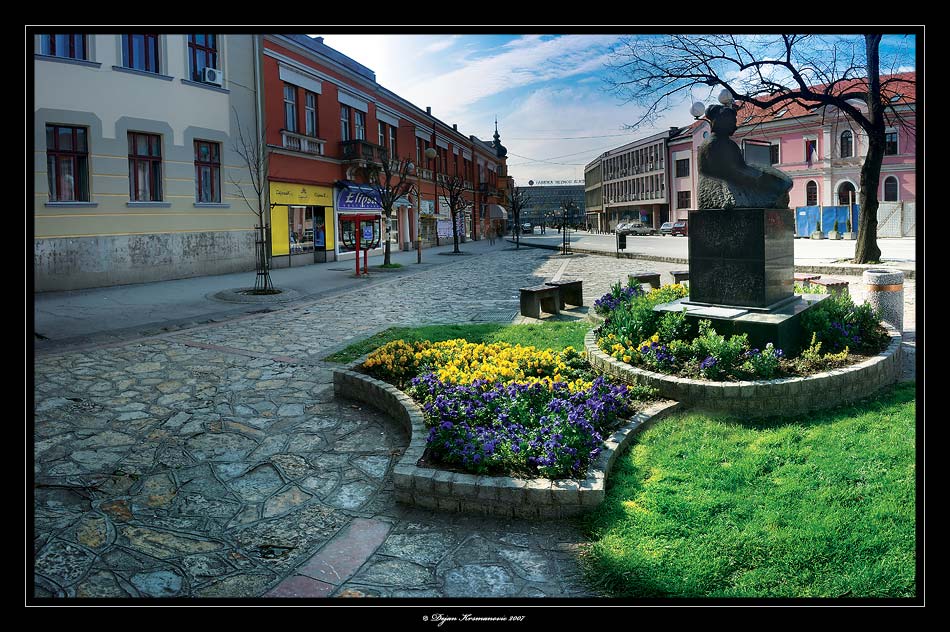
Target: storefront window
x,y
306,229
369,233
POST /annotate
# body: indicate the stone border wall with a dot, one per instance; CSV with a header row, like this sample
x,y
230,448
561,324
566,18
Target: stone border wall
x,y
503,496
764,398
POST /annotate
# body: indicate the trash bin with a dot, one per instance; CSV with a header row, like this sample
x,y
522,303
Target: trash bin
x,y
885,292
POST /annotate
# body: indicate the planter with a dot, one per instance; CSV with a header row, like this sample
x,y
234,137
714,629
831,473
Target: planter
x,y
764,398
503,496
849,236
817,235
834,235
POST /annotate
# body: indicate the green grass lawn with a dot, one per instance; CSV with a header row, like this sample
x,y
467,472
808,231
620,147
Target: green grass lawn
x,y
554,335
711,506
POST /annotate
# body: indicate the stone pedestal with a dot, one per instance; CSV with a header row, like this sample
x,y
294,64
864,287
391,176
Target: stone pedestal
x,y
780,326
741,257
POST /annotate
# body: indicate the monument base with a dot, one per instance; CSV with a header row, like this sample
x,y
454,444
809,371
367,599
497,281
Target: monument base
x,y
781,326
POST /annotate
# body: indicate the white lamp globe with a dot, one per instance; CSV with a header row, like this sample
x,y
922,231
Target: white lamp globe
x,y
698,109
725,97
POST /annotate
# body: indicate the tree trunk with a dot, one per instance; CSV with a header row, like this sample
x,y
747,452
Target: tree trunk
x,y
455,230
386,260
866,249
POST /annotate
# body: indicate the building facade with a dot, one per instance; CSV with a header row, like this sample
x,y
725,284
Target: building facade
x,y
327,121
138,176
133,157
821,150
547,204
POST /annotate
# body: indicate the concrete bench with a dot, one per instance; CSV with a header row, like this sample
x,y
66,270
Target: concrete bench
x,y
653,278
534,299
680,275
569,292
831,285
805,277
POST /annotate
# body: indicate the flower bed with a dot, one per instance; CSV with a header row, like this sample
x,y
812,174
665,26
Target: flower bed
x,y
506,409
840,334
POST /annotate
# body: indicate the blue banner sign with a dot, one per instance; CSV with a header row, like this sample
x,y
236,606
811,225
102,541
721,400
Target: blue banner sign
x,y
357,199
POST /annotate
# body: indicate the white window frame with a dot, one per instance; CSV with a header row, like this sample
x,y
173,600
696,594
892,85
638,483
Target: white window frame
x,y
884,188
892,130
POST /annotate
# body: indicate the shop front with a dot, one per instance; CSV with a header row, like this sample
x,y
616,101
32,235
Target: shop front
x,y
302,226
358,212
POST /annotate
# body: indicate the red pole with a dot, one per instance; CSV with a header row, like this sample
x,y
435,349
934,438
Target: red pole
x,y
357,223
365,263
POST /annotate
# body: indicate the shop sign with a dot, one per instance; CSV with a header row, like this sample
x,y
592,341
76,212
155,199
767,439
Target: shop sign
x,y
354,199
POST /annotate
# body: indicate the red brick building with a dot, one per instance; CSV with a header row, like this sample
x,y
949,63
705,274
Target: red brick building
x,y
326,118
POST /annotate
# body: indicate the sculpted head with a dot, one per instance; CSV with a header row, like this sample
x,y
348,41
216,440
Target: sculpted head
x,y
723,119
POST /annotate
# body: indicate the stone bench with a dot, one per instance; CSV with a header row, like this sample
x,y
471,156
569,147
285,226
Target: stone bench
x,y
538,297
569,292
680,275
805,277
653,278
831,285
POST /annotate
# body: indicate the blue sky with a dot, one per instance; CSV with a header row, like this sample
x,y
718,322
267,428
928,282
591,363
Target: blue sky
x,y
547,91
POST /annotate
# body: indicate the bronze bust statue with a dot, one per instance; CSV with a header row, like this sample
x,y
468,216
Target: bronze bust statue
x,y
725,180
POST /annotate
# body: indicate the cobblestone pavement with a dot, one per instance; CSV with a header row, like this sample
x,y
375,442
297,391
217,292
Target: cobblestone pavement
x,y
217,462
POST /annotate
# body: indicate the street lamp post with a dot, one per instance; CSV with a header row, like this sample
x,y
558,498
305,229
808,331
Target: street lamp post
x,y
415,169
430,153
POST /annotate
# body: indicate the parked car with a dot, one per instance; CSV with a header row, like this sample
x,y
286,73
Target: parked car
x,y
621,228
639,228
527,227
680,228
666,228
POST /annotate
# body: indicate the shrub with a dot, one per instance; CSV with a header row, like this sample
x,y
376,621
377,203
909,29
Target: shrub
x,y
837,323
720,357
762,364
811,361
675,326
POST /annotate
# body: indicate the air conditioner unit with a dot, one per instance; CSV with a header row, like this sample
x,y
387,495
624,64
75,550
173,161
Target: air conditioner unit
x,y
212,75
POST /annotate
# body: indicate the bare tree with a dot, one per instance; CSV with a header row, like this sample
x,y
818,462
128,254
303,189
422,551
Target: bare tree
x,y
454,189
390,180
839,74
253,153
518,199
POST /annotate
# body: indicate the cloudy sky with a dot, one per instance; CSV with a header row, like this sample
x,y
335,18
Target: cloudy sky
x,y
555,113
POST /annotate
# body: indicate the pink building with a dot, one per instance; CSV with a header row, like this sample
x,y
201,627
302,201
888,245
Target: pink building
x,y
821,149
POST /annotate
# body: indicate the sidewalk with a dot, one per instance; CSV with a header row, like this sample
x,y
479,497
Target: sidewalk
x,y
818,256
78,318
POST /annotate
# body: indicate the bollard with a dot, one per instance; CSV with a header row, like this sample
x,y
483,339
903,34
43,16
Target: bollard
x,y
885,288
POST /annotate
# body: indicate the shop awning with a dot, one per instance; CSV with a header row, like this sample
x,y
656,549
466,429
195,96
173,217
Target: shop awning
x,y
352,196
496,212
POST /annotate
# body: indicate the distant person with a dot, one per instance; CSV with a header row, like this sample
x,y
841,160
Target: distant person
x,y
491,235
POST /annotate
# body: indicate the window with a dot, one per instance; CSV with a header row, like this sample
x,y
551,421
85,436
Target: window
x,y
811,193
890,189
392,141
682,168
811,150
890,144
360,121
310,114
145,167
773,154
847,144
290,107
140,52
344,122
382,134
202,53
71,45
846,193
207,171
67,163
682,199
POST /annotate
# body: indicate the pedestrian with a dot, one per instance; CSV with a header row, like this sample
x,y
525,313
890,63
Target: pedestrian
x,y
491,235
